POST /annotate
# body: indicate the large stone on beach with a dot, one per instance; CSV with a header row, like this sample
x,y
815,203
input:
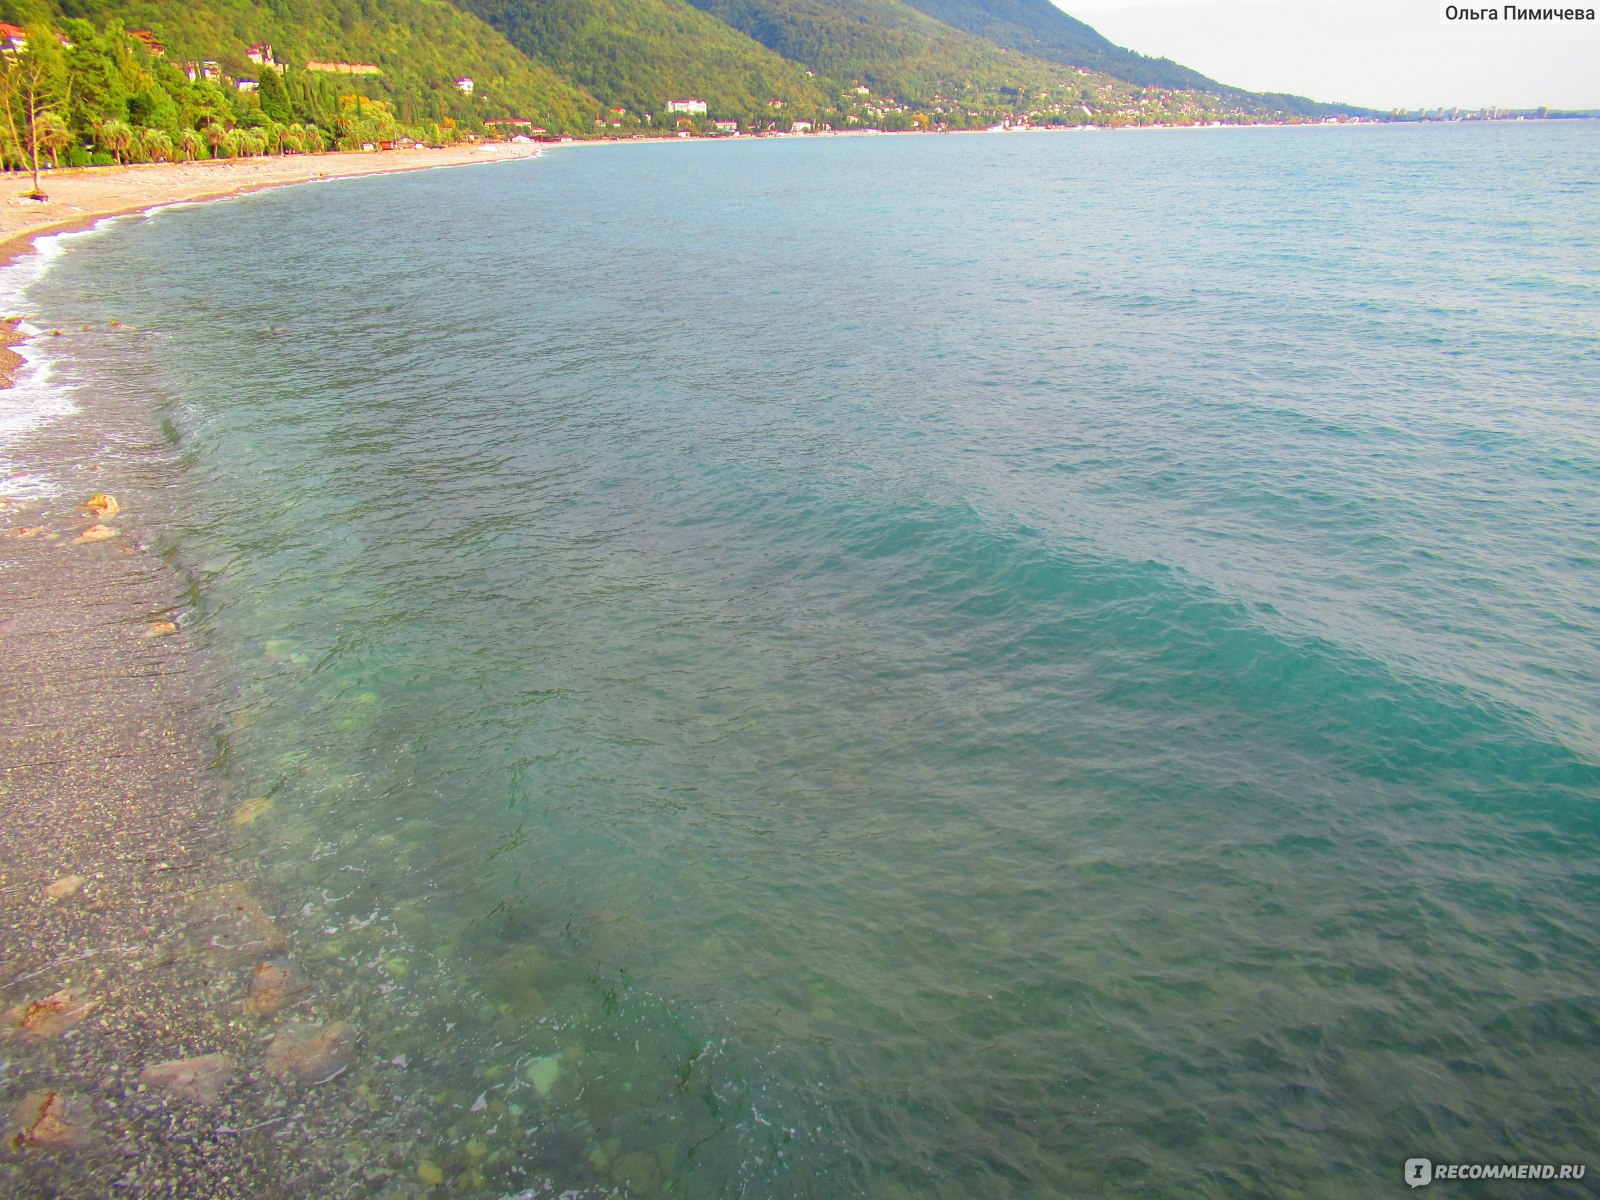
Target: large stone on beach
x,y
102,505
96,533
67,885
230,926
51,1016
274,985
311,1054
198,1080
50,1120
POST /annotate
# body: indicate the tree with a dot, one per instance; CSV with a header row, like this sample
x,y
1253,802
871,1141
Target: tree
x,y
274,98
117,137
29,102
189,143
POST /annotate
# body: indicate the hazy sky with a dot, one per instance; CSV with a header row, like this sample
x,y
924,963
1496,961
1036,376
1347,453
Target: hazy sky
x,y
1375,53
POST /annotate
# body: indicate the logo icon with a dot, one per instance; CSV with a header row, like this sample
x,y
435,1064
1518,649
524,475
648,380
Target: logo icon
x,y
1419,1172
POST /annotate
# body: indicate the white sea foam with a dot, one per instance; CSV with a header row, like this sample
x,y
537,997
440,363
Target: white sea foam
x,y
34,397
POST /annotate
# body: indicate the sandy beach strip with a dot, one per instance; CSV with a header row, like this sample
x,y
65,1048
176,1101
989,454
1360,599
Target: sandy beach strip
x,y
131,923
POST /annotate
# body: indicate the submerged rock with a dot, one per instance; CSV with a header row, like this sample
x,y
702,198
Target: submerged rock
x,y
102,505
199,1080
50,1119
95,533
311,1054
274,985
160,629
543,1073
67,885
229,924
252,810
51,1016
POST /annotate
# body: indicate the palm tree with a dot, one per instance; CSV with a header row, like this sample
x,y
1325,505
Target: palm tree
x,y
116,136
155,145
53,135
189,143
312,139
216,137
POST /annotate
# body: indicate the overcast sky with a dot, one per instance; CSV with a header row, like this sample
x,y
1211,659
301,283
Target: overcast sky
x,y
1376,53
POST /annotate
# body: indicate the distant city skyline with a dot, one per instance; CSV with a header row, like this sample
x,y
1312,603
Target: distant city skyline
x,y
1379,54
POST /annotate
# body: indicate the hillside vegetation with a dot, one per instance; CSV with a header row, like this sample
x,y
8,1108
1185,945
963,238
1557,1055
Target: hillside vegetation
x,y
121,80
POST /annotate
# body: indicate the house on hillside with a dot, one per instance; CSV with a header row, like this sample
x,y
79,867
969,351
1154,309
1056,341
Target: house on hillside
x,y
686,106
343,68
465,85
148,40
206,68
246,85
261,54
13,38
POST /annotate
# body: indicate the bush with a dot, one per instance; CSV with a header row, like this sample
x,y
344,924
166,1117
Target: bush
x,y
76,156
100,159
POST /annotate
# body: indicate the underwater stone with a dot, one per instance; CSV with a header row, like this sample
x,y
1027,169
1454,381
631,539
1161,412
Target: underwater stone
x,y
311,1054
430,1173
49,1119
51,1016
274,984
543,1073
199,1080
251,810
67,885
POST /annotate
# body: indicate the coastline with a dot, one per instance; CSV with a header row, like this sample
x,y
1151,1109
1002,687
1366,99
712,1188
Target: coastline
x,y
131,923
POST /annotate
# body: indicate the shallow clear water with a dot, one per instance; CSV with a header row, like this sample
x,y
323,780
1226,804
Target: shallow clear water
x,y
946,667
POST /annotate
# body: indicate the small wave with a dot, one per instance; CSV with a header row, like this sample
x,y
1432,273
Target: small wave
x,y
34,398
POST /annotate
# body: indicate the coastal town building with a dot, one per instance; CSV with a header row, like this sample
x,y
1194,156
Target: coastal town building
x,y
206,68
261,54
465,85
686,106
726,126
246,85
147,39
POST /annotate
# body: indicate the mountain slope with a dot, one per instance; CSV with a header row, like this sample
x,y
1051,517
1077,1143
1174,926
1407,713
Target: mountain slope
x,y
421,47
638,54
1040,29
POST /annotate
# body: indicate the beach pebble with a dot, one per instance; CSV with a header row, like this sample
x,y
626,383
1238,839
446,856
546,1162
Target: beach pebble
x,y
67,885
160,629
198,1080
27,531
274,985
96,533
50,1119
51,1016
311,1054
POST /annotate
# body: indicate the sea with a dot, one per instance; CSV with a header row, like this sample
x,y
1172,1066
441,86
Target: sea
x,y
1011,665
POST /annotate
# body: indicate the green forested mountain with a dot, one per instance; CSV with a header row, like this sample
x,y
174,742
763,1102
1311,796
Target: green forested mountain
x,y
119,80
638,54
420,46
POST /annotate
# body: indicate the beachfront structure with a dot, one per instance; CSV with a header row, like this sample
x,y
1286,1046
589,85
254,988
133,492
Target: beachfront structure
x,y
465,85
687,106
726,126
800,127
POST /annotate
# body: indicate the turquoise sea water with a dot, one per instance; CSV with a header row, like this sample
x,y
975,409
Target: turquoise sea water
x,y
913,667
